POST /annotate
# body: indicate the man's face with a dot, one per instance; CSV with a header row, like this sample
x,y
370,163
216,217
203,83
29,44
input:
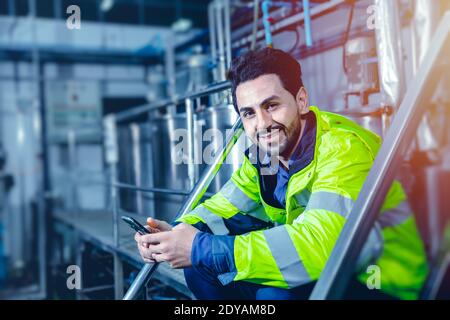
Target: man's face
x,y
270,114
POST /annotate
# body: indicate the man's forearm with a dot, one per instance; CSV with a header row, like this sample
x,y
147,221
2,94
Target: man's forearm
x,y
214,253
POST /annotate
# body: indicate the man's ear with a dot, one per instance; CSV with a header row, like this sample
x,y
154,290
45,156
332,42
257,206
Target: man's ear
x,y
302,100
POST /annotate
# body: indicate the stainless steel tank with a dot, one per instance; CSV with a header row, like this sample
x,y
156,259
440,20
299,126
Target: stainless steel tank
x,y
125,167
169,170
211,125
146,200
194,72
171,162
375,118
135,167
157,80
199,74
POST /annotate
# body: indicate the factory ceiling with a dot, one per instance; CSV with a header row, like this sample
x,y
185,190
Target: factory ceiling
x,y
137,12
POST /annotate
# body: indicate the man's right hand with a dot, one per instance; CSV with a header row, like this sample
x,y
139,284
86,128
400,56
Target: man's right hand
x,y
153,225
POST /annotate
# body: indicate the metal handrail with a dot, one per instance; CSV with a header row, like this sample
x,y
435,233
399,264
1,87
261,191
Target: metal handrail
x,y
122,185
341,263
370,110
214,88
145,189
197,193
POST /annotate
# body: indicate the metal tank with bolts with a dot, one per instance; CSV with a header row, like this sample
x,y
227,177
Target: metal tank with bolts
x,y
218,118
171,162
374,118
199,73
170,165
135,167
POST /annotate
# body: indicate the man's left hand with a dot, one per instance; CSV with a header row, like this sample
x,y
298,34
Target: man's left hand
x,y
173,246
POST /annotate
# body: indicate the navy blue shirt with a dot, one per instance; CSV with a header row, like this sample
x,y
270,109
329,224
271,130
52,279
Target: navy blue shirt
x,y
284,174
283,177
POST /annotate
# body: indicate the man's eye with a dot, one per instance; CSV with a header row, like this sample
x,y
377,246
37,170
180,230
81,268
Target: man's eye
x,y
247,114
272,106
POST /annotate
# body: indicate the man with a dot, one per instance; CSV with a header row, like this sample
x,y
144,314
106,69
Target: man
x,y
267,234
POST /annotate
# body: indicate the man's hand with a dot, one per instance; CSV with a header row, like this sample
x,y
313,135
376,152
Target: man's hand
x,y
154,226
174,246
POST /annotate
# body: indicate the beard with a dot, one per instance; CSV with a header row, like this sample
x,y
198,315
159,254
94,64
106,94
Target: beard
x,y
285,140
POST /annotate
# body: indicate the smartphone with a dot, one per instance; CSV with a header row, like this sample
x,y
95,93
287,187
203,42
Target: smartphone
x,y
135,225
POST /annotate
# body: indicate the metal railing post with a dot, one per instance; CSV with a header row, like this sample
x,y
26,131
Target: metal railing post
x,y
191,141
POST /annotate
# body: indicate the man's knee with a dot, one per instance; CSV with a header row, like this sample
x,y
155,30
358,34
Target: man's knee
x,y
190,275
205,286
273,294
298,293
193,275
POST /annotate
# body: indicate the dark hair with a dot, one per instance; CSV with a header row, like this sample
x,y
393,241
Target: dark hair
x,y
255,63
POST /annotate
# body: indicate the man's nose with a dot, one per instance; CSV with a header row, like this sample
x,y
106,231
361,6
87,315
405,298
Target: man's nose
x,y
264,120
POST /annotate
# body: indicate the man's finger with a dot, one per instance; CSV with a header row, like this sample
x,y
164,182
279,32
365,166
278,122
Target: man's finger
x,y
160,225
147,253
149,238
151,229
157,248
141,242
148,260
160,257
144,245
155,238
154,223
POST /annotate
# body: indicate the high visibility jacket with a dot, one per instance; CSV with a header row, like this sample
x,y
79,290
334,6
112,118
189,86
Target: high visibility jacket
x,y
287,247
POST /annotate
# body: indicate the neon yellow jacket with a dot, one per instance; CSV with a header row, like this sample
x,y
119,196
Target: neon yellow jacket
x,y
288,247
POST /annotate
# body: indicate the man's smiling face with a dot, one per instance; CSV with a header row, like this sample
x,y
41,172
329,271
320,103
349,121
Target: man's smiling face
x,y
271,115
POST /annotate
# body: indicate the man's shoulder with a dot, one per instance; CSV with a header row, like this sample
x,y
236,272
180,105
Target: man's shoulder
x,y
338,141
339,133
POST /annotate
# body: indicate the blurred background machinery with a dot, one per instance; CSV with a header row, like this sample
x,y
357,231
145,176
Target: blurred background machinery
x,y
122,115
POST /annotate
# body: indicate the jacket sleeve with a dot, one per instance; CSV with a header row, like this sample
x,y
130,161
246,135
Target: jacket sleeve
x,y
235,209
293,254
